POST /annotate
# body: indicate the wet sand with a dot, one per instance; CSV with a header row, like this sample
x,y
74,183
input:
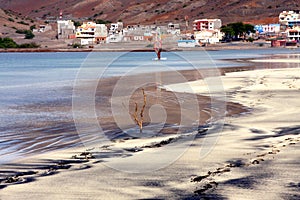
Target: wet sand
x,y
43,136
58,135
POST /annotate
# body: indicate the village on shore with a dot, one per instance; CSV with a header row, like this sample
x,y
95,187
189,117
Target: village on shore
x,y
100,34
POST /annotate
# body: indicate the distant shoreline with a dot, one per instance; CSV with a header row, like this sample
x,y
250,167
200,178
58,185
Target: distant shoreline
x,y
131,48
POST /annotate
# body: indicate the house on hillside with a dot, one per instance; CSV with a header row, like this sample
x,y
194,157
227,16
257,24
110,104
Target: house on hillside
x,y
115,33
115,27
290,23
289,18
293,34
65,28
207,31
173,29
138,33
44,28
91,33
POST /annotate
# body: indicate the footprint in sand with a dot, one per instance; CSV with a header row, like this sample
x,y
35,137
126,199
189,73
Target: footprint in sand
x,y
84,156
261,80
20,177
208,184
220,170
257,161
289,84
199,178
274,151
207,187
13,179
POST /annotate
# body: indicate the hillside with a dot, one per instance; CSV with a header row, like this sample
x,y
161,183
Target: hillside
x,y
9,19
149,12
10,22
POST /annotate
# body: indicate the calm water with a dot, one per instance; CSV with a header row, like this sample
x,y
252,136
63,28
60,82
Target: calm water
x,y
28,80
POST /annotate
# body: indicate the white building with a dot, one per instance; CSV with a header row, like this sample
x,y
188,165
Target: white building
x,y
65,28
45,28
207,30
91,33
173,29
268,28
293,34
289,18
208,36
115,38
286,16
115,27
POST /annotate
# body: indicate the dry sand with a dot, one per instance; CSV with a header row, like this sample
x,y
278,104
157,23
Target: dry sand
x,y
256,156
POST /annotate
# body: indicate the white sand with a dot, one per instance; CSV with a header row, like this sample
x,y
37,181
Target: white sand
x,y
273,94
269,160
276,60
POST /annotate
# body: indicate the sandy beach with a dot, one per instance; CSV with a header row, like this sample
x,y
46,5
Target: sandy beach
x,y
253,153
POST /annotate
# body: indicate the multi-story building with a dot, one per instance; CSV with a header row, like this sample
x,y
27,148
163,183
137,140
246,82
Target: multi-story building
x,y
290,22
115,27
91,33
137,33
207,30
289,18
293,34
207,24
65,28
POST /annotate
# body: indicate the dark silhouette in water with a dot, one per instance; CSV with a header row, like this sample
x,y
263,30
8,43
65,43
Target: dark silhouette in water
x,y
158,52
158,43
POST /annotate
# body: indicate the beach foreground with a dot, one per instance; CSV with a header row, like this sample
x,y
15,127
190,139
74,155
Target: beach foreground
x,y
256,154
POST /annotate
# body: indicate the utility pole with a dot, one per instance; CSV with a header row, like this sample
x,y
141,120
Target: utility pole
x,y
186,18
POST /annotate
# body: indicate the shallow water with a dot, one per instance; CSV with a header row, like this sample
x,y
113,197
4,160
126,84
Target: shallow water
x,y
36,90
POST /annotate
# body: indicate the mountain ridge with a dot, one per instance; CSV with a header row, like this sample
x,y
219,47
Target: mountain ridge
x,y
151,12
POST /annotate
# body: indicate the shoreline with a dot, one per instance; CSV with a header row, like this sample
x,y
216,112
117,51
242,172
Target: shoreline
x,y
203,185
115,47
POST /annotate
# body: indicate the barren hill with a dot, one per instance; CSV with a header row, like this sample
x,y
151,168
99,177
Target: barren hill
x,y
10,22
149,12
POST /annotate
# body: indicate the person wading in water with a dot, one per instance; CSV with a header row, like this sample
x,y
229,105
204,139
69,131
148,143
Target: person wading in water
x,y
158,43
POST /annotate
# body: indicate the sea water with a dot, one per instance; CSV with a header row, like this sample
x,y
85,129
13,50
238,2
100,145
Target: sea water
x,y
30,81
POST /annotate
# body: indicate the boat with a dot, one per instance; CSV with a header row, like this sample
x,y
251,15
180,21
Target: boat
x,y
187,43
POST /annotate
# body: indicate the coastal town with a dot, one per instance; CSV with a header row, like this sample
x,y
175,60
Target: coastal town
x,y
99,34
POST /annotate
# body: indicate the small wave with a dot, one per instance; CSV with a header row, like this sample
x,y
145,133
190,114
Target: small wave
x,y
42,85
